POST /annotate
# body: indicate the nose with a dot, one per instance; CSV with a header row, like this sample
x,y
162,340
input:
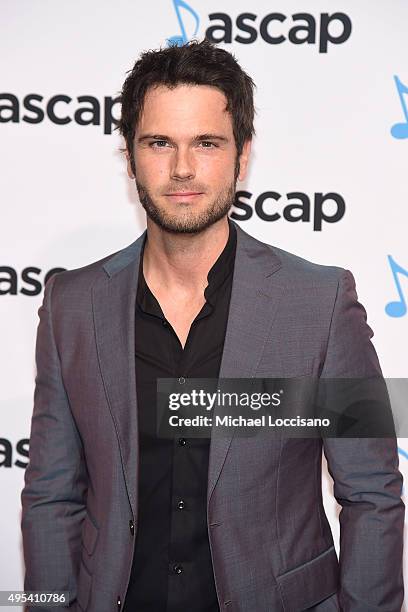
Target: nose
x,y
183,166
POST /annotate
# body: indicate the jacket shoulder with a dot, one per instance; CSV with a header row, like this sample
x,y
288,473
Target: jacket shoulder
x,y
85,276
292,267
297,266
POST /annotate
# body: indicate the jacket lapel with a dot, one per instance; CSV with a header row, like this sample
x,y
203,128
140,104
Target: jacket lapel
x,y
255,297
114,301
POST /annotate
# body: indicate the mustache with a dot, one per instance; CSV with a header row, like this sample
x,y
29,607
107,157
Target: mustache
x,y
185,189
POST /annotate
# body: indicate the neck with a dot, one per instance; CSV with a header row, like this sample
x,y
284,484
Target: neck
x,y
182,261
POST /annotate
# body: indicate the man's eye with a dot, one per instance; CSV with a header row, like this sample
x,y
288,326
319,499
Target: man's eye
x,y
208,142
159,143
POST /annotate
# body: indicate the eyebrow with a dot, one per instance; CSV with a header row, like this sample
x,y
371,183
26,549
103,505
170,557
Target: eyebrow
x,y
198,138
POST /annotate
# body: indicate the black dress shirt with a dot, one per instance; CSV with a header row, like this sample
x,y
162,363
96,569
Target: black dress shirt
x,y
172,568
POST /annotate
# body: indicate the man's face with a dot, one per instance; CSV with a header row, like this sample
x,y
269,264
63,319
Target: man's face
x,y
186,158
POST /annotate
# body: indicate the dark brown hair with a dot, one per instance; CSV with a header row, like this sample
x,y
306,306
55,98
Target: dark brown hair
x,y
195,63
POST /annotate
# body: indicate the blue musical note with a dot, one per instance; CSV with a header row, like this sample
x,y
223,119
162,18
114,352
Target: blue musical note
x,y
402,452
399,307
400,130
178,40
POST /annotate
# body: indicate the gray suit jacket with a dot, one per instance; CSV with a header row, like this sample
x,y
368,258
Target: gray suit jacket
x,y
271,544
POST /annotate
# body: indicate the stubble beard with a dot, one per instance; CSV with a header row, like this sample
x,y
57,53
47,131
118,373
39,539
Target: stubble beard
x,y
188,221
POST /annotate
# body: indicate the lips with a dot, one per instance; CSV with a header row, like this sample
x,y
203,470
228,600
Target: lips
x,y
184,193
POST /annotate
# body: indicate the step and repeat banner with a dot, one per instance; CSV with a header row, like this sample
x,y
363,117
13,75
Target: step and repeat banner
x,y
328,175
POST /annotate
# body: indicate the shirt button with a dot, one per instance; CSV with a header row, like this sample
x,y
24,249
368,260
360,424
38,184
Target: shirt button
x,y
181,504
182,441
177,569
119,602
164,323
132,527
182,380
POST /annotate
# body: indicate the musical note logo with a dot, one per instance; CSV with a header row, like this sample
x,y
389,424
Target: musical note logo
x,y
399,307
400,130
178,39
403,452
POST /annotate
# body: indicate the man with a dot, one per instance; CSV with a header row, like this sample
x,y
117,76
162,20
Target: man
x,y
124,519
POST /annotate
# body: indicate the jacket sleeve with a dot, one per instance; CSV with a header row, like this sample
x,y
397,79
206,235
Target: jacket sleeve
x,y
54,494
365,471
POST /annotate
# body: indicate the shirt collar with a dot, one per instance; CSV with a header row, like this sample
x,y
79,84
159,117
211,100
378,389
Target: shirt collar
x,y
223,267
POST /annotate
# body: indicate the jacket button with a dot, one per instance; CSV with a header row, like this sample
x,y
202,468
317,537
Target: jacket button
x,y
132,527
119,602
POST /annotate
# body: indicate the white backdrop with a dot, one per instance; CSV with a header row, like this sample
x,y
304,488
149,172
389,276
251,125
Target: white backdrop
x,y
324,125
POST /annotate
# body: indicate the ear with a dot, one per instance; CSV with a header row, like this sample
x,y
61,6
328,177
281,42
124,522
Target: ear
x,y
129,166
244,159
